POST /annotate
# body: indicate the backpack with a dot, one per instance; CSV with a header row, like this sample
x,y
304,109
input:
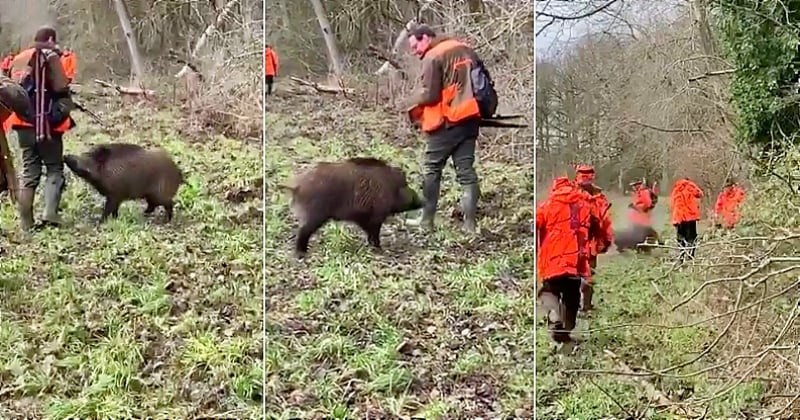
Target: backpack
x,y
483,90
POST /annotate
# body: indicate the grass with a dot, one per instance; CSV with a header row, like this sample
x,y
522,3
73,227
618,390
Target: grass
x,y
437,326
136,318
624,329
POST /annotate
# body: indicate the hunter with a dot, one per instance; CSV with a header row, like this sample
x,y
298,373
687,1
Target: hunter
x,y
42,72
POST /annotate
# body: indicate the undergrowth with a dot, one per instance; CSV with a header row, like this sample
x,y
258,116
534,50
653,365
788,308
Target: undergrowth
x,y
437,325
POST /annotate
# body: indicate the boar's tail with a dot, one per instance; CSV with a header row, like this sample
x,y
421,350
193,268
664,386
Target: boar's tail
x,y
289,188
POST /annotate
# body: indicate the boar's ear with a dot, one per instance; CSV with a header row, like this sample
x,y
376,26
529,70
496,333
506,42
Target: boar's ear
x,y
100,154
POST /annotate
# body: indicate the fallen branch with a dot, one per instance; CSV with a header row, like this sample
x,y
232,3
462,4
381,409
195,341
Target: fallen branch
x,y
711,74
126,90
204,37
322,88
669,130
652,392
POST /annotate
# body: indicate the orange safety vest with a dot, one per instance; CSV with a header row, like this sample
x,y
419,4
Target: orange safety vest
x,y
6,64
270,62
68,61
14,121
432,117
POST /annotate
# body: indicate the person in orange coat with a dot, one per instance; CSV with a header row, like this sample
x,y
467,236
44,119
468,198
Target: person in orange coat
x,y
726,209
584,179
40,133
5,64
685,200
270,67
565,225
70,63
641,205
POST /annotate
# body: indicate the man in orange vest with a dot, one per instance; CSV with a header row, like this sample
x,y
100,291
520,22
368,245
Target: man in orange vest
x,y
270,67
69,62
40,133
446,110
604,236
5,65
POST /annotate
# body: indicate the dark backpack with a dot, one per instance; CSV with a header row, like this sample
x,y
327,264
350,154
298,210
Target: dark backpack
x,y
483,90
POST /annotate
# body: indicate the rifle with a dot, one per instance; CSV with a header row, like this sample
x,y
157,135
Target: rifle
x,y
12,99
90,113
86,111
497,121
8,176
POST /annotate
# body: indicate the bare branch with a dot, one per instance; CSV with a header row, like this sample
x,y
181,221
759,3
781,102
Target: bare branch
x,y
585,15
711,74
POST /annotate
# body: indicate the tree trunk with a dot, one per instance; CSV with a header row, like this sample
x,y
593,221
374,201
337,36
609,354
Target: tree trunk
x,y
335,62
398,45
703,28
207,33
137,68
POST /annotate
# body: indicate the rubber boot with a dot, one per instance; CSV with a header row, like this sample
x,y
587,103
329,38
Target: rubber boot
x,y
586,296
25,208
53,187
430,193
469,206
552,307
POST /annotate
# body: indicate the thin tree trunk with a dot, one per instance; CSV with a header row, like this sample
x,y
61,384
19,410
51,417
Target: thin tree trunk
x,y
335,62
204,37
137,67
703,28
398,44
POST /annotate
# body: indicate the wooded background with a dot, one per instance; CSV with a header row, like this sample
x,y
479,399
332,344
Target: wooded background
x,y
162,34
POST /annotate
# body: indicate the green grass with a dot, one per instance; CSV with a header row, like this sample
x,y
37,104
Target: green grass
x,y
136,318
632,324
437,326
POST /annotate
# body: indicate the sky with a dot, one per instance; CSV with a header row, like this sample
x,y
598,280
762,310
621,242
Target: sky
x,y
555,36
559,35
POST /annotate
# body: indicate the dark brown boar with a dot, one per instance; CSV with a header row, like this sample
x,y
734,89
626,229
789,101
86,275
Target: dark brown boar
x,y
123,171
364,191
635,237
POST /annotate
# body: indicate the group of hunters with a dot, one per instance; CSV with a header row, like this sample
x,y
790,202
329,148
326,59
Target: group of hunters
x,y
45,71
574,226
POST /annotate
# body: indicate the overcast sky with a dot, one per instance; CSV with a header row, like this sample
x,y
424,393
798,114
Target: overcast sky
x,y
557,36
561,34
